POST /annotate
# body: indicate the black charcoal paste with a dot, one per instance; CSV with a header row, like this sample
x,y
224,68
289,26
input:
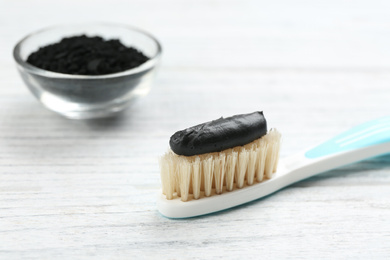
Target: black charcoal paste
x,y
83,55
220,134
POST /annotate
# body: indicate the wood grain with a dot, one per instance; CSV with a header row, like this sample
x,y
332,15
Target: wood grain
x,y
87,189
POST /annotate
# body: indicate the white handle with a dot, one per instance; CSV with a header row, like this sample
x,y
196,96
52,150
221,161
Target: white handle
x,y
360,142
299,167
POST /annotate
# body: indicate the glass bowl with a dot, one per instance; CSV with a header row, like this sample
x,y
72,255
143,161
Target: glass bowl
x,y
83,96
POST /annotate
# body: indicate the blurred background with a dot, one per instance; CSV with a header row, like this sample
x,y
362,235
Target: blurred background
x,y
237,34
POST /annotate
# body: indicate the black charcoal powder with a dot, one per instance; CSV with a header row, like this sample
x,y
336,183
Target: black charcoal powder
x,y
83,55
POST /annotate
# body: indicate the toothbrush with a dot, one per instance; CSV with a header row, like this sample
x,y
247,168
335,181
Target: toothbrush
x,y
361,142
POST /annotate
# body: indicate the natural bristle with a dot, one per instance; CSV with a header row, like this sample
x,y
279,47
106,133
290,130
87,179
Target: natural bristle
x,y
194,177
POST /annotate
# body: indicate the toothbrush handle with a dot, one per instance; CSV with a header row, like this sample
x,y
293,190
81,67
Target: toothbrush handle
x,y
361,142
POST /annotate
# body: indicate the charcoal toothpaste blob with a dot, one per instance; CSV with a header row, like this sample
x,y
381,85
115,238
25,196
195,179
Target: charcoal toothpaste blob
x,y
219,134
219,156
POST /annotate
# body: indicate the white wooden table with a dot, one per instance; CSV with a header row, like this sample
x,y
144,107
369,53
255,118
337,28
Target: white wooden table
x,y
77,189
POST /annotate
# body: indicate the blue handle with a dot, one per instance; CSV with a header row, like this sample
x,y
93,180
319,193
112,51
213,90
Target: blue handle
x,y
367,134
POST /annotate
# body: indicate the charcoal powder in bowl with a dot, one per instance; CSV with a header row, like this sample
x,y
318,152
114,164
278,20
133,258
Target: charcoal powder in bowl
x,y
83,55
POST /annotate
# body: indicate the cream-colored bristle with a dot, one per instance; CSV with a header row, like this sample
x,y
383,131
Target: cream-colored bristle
x,y
176,168
208,172
203,175
219,173
272,139
261,156
185,170
242,166
251,165
196,177
231,161
168,175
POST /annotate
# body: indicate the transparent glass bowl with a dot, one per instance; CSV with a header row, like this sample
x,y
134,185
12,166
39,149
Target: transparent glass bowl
x,y
85,97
